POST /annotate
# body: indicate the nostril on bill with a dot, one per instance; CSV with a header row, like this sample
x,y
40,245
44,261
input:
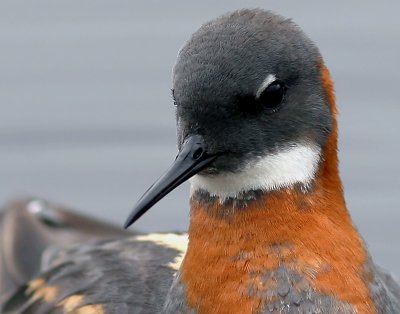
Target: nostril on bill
x,y
198,153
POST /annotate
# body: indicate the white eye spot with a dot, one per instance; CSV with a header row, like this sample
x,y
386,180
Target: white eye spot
x,y
268,80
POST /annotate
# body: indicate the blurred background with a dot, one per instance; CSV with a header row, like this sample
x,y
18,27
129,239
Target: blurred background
x,y
86,117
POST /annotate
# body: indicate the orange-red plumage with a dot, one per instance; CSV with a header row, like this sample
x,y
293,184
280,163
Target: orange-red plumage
x,y
310,233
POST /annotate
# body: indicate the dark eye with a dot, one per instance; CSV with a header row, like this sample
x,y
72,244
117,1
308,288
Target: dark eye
x,y
272,96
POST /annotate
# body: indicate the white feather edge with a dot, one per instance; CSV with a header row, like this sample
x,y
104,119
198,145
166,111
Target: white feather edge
x,y
297,163
178,242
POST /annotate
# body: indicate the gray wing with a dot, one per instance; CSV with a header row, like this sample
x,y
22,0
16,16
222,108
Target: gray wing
x,y
58,261
29,226
386,292
131,275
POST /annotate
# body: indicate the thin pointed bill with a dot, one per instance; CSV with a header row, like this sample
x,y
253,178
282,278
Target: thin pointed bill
x,y
191,159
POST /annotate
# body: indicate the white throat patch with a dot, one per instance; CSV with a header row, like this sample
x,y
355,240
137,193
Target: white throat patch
x,y
291,165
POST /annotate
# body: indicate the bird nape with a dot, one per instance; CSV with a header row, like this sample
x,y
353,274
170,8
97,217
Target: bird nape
x,y
269,228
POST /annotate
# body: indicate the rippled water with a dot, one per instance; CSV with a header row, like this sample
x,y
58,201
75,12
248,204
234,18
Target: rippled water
x,y
86,117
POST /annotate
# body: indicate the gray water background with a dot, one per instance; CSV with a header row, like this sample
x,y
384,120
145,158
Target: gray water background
x,y
86,117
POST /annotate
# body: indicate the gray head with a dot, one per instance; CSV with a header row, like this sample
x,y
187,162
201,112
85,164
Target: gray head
x,y
221,81
248,93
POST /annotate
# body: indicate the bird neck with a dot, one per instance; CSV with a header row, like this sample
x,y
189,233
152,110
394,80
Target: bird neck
x,y
237,247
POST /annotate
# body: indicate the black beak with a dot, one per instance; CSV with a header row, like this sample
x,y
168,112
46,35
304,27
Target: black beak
x,y
191,159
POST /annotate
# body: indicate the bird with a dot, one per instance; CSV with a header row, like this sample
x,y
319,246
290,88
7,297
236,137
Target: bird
x,y
269,229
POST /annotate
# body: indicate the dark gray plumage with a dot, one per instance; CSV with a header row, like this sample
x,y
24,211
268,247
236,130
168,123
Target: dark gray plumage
x,y
125,275
32,225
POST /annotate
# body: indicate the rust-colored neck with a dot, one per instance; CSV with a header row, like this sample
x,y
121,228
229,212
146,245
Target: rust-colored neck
x,y
310,234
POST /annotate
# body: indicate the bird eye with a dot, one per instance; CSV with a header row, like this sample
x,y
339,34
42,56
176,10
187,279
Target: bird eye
x,y
272,96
